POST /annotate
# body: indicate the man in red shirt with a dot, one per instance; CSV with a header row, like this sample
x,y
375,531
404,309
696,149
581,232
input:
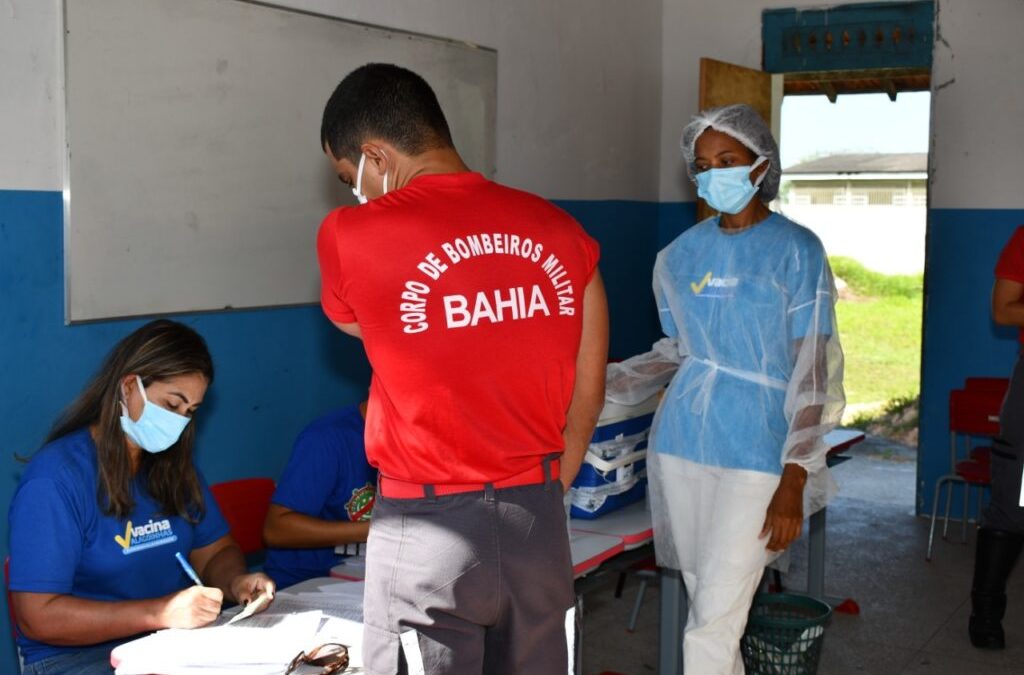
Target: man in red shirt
x,y
483,315
1002,527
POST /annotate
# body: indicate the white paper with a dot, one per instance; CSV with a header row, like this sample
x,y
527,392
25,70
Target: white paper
x,y
343,600
274,643
250,609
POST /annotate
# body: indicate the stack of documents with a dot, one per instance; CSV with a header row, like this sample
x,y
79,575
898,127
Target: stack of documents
x,y
260,644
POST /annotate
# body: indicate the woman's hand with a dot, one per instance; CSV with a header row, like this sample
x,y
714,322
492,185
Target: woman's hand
x,y
246,587
785,516
191,608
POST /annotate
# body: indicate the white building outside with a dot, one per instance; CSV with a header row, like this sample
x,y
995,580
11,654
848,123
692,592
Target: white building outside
x,y
867,206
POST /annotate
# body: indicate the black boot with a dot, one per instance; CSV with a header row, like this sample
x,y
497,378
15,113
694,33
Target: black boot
x,y
994,558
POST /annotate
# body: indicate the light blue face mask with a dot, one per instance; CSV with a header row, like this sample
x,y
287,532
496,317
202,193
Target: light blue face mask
x,y
729,190
157,427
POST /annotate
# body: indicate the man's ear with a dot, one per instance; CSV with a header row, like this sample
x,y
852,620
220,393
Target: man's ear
x,y
378,155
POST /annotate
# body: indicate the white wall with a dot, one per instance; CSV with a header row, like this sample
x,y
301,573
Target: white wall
x,y
977,105
578,87
856,232
31,97
727,30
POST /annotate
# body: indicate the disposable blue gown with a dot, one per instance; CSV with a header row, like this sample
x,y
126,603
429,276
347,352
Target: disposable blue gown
x,y
750,320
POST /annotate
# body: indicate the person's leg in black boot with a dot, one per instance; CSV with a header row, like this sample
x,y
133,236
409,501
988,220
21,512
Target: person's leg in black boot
x,y
1002,526
995,555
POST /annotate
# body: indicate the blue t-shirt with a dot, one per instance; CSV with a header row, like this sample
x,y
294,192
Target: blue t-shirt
x,y
327,477
738,304
62,542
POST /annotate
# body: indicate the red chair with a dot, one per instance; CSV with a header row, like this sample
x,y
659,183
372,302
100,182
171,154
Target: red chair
x,y
997,385
973,412
244,503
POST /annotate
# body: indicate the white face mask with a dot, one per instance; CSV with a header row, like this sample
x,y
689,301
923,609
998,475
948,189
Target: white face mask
x,y
358,189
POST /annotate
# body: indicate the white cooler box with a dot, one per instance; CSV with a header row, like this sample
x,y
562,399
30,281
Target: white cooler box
x,y
614,470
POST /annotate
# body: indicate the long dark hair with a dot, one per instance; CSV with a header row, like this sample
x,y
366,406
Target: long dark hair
x,y
159,350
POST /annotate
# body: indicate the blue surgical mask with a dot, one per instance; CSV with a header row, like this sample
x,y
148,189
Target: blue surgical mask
x,y
729,190
358,189
157,427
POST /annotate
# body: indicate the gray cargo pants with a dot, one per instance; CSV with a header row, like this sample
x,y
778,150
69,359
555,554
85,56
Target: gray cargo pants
x,y
471,583
1004,511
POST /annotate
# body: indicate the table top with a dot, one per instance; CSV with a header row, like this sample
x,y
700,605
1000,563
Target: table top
x,y
590,549
631,523
842,439
353,568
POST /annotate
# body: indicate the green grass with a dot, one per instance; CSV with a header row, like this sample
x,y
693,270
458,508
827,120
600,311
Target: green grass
x,y
875,284
894,413
880,333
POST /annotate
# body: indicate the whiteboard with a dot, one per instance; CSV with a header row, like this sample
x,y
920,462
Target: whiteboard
x,y
195,179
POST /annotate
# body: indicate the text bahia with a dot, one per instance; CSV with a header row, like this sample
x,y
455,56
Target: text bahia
x,y
495,306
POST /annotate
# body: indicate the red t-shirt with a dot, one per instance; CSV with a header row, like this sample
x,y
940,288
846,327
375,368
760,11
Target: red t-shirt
x,y
1011,263
469,296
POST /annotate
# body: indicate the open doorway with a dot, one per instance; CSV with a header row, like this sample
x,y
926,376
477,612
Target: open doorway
x,y
855,173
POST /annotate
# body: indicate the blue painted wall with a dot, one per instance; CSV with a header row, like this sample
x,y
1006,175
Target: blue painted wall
x,y
276,369
960,339
279,368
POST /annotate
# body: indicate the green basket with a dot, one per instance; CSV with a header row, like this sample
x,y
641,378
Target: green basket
x,y
784,634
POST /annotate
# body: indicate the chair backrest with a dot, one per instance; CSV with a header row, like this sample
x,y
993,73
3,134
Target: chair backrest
x,y
244,503
993,384
975,412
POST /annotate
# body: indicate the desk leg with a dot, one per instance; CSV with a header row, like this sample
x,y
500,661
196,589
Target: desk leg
x,y
816,567
816,556
673,621
578,647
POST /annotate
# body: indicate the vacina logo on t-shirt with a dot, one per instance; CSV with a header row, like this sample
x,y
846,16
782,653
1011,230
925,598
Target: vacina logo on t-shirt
x,y
487,305
140,537
722,284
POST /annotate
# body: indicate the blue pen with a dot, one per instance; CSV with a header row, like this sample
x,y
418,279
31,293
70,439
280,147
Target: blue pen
x,y
188,569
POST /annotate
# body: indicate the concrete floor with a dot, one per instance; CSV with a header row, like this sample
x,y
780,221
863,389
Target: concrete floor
x,y
913,613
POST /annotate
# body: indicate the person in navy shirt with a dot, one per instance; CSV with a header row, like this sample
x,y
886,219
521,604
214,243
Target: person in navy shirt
x,y
107,502
324,499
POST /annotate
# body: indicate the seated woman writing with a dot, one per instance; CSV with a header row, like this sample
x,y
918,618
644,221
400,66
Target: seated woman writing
x,y
107,502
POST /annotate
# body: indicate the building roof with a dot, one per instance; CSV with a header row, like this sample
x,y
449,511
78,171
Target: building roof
x,y
871,162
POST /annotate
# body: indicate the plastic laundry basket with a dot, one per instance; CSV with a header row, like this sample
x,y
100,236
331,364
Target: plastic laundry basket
x,y
784,634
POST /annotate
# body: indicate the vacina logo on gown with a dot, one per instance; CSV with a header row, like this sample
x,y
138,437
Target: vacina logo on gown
x,y
487,305
140,537
723,285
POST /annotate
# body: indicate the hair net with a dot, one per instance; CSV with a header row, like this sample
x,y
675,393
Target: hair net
x,y
745,125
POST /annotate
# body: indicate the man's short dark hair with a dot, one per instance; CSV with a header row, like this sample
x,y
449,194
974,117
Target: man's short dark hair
x,y
384,101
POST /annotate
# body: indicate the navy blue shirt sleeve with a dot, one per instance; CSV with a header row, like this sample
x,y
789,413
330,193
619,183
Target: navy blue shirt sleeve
x,y
46,536
310,477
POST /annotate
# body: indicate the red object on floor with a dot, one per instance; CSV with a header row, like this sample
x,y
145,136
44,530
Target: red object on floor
x,y
848,606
